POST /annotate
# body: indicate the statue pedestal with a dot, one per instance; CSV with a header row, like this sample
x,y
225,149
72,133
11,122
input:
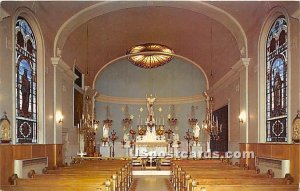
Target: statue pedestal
x,y
208,146
5,141
127,152
105,151
175,152
197,151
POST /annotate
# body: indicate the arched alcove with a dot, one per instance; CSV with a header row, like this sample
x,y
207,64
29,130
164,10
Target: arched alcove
x,y
179,83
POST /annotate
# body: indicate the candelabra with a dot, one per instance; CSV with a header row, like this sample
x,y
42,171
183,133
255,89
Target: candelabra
x,y
132,132
113,138
171,117
210,123
160,131
108,122
142,131
127,120
188,136
192,120
169,132
88,128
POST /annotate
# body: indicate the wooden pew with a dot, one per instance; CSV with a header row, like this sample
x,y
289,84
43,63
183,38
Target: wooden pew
x,y
189,175
111,175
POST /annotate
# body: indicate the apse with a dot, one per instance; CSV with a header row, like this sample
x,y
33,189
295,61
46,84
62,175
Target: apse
x,y
177,86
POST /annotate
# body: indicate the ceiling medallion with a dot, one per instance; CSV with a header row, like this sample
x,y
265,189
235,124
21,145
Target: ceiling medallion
x,y
150,60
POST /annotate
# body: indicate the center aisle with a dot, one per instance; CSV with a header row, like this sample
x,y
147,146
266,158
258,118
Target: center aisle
x,y
151,183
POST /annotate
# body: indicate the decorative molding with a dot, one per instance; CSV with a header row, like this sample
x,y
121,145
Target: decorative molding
x,y
229,77
174,55
140,101
65,68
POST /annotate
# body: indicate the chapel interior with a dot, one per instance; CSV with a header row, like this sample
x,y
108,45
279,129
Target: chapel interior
x,y
150,95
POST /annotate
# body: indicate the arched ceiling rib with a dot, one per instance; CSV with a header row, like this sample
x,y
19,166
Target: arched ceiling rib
x,y
105,7
185,31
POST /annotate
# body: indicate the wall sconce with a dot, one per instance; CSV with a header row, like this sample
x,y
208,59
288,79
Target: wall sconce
x,y
59,117
242,117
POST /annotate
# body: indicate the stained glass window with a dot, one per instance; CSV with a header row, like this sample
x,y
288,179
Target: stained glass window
x,y
276,78
26,83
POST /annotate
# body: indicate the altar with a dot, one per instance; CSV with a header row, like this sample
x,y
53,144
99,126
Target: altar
x,y
148,142
151,149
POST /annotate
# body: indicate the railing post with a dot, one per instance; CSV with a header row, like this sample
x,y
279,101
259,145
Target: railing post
x,y
114,177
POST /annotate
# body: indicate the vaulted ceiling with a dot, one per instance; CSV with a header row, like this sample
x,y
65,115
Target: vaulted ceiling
x,y
186,32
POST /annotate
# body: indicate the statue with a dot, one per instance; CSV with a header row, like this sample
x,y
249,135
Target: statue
x,y
126,140
206,100
175,137
277,88
105,131
175,140
25,89
196,130
126,137
5,129
150,103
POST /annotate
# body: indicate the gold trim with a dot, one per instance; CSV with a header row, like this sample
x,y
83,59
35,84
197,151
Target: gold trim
x,y
151,144
140,101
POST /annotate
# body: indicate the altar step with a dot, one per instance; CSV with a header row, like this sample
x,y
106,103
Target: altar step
x,y
151,172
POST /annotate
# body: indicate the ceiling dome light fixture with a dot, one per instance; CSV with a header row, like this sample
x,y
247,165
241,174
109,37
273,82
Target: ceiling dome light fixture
x,y
150,55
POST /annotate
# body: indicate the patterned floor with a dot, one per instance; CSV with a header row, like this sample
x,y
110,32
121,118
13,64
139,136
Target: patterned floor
x,y
151,183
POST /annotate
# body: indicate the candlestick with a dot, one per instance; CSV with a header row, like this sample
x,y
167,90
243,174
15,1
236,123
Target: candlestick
x,y
81,144
78,135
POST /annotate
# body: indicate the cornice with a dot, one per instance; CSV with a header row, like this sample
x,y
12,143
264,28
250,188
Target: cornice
x,y
65,68
140,101
229,77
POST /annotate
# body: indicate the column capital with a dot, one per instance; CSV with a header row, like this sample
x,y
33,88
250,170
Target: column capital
x,y
246,61
62,66
55,61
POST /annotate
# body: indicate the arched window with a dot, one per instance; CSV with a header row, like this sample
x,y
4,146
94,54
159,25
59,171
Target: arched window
x,y
26,83
276,81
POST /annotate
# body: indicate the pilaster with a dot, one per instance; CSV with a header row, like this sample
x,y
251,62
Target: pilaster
x,y
244,99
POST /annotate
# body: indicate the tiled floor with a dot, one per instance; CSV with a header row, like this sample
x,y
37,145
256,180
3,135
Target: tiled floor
x,y
151,183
